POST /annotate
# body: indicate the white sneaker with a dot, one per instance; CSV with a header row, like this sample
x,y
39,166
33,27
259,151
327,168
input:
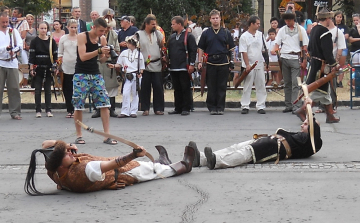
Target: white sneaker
x,y
38,115
49,114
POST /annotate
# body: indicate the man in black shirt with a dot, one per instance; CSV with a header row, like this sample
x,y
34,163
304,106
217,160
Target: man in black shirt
x,y
87,78
126,30
279,146
217,42
182,54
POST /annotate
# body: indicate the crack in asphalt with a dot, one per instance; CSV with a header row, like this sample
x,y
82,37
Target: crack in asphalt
x,y
191,209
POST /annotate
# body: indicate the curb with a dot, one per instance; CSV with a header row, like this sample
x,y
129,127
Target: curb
x,y
197,104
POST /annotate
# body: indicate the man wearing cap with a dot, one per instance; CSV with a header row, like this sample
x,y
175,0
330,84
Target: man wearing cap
x,y
322,62
109,75
292,38
126,30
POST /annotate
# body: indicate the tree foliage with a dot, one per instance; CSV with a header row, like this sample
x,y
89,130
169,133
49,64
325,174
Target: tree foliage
x,y
232,13
163,10
347,7
35,7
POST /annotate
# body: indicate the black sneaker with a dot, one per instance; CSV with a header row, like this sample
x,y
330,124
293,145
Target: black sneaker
x,y
340,84
213,112
185,113
261,111
113,114
210,157
287,110
96,114
174,112
245,111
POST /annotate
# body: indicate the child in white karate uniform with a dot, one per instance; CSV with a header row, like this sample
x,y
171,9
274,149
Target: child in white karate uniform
x,y
128,62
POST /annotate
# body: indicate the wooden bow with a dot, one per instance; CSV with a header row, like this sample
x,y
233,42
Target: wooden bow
x,y
309,114
133,145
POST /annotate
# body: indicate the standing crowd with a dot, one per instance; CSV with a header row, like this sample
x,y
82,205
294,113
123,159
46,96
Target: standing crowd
x,y
90,57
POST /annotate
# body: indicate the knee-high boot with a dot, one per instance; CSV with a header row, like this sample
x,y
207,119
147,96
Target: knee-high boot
x,y
330,118
163,156
184,166
112,108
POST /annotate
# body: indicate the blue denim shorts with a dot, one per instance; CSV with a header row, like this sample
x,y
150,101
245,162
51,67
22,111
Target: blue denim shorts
x,y
345,52
89,83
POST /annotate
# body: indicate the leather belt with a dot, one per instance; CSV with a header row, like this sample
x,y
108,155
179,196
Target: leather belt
x,y
317,58
293,53
9,59
282,140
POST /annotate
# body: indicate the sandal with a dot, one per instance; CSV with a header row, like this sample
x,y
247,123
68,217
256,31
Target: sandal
x,y
68,115
320,111
110,141
79,140
16,117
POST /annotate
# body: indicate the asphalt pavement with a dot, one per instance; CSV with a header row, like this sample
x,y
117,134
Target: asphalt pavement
x,y
323,188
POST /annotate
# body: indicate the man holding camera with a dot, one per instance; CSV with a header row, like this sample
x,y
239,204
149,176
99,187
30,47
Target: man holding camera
x,y
109,75
87,78
10,43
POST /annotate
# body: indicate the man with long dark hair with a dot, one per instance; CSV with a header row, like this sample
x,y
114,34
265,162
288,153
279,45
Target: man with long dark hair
x,y
86,173
150,45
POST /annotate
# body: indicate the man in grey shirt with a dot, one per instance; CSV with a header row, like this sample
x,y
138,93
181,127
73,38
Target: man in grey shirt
x,y
150,45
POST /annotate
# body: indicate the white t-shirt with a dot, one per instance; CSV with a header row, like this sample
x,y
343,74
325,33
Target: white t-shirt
x,y
93,171
67,50
129,58
290,41
253,46
270,45
341,43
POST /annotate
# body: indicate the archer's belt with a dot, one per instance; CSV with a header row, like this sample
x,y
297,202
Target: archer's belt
x,y
317,58
282,140
293,53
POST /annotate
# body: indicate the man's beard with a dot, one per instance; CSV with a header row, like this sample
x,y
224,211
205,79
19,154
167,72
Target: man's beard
x,y
153,29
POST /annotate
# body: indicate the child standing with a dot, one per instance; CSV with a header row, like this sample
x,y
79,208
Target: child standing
x,y
275,75
129,62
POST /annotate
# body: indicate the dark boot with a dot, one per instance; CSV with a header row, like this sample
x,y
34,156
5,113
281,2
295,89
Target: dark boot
x,y
301,112
196,162
112,108
189,155
330,118
184,166
179,167
96,113
163,156
210,157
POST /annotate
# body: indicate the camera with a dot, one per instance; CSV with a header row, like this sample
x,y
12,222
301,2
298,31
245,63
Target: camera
x,y
113,54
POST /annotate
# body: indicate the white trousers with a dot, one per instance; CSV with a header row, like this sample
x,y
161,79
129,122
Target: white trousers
x,y
145,171
130,102
256,77
232,156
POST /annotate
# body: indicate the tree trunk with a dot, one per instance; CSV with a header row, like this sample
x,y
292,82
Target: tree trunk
x,y
261,14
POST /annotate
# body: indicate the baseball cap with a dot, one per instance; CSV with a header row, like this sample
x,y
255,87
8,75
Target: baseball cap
x,y
125,17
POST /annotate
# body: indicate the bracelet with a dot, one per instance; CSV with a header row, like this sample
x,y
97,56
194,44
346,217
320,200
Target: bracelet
x,y
99,51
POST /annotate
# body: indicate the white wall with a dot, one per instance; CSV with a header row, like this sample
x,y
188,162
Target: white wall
x,y
99,5
75,3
